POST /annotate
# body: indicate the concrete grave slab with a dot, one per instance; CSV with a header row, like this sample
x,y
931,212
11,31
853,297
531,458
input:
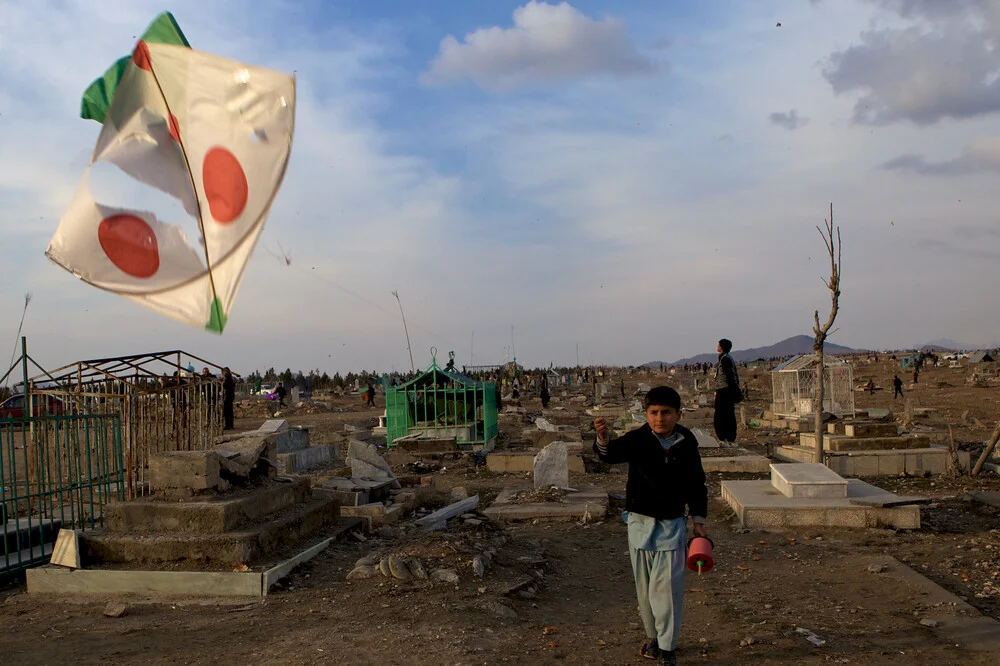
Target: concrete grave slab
x,y
705,440
585,504
759,505
746,464
306,459
507,462
168,584
807,480
889,462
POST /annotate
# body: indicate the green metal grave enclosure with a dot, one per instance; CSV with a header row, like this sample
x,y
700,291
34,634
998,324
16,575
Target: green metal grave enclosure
x,y
440,403
56,471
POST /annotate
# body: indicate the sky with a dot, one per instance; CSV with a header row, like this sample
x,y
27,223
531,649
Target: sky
x,y
610,182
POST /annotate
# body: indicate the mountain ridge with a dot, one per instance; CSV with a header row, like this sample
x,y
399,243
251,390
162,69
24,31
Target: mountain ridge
x,y
793,346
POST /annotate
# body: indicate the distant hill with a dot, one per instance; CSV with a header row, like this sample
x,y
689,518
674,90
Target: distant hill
x,y
799,344
945,344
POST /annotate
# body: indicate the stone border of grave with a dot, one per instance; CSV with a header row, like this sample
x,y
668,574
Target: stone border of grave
x,y
59,580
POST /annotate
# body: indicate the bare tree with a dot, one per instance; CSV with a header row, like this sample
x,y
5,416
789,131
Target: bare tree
x,y
831,239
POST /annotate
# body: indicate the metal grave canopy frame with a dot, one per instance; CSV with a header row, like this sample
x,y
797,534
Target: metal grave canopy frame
x,y
439,403
794,386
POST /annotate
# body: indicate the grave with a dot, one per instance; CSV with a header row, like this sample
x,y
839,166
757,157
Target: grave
x,y
872,448
294,454
548,498
514,462
585,504
743,463
811,494
210,511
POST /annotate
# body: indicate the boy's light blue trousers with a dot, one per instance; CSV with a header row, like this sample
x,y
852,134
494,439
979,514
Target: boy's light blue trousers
x,y
659,587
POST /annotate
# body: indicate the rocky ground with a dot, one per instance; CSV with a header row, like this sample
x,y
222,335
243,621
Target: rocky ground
x,y
553,594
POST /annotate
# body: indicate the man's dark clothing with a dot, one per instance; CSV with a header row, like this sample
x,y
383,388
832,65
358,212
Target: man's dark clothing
x,y
897,385
228,397
725,415
660,483
727,388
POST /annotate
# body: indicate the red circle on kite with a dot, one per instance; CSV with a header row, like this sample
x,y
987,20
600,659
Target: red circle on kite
x,y
130,244
225,185
175,128
140,56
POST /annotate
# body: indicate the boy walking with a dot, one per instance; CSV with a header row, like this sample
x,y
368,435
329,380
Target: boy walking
x,y
665,477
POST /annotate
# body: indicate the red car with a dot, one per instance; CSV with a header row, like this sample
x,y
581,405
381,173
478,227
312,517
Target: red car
x,y
13,407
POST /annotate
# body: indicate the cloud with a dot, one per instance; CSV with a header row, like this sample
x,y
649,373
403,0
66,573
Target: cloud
x,y
945,66
982,155
547,43
790,121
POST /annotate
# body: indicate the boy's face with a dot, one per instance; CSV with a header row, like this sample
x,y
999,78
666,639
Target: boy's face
x,y
662,419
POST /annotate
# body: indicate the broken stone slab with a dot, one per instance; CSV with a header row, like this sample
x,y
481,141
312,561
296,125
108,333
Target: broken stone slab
x,y
551,466
66,552
366,463
888,500
241,455
439,518
274,425
543,424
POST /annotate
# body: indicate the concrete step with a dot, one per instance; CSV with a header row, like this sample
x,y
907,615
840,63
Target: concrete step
x,y
204,516
516,462
228,548
845,443
808,481
888,462
863,429
19,534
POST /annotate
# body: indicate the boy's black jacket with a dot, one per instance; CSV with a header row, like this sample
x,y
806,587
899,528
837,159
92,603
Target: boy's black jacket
x,y
660,483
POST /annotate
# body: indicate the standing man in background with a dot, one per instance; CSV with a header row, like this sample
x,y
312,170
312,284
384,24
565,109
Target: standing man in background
x,y
727,394
228,398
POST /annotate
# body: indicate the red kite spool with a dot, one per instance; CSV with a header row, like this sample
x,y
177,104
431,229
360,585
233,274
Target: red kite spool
x,y
700,555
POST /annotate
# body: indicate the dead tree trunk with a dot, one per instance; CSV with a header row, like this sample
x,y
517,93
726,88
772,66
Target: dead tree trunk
x,y
831,239
988,451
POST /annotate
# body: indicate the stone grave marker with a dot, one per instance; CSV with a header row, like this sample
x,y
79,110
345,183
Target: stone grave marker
x,y
552,466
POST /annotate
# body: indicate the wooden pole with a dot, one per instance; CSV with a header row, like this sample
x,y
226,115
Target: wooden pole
x,y
956,469
987,451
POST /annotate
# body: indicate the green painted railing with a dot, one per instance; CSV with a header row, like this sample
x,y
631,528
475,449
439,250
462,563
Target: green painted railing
x,y
55,472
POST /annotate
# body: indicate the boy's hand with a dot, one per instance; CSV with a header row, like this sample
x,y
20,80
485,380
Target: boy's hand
x,y
601,426
699,530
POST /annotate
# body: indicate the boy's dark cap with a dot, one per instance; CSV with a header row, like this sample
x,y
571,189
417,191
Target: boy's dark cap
x,y
726,345
663,396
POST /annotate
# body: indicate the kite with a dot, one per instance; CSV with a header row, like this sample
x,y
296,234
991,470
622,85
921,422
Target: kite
x,y
213,133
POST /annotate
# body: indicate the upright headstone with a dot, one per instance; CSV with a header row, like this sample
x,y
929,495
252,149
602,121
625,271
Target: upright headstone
x,y
552,466
366,463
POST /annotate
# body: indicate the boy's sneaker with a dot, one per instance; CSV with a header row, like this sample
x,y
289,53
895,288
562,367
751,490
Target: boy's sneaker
x,y
650,649
666,658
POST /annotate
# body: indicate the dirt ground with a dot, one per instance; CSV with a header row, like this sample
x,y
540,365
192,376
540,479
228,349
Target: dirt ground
x,y
579,607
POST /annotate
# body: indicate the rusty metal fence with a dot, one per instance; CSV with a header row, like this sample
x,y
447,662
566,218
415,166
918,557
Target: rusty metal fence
x,y
184,415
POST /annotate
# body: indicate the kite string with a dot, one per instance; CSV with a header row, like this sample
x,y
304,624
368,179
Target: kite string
x,y
27,299
194,188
